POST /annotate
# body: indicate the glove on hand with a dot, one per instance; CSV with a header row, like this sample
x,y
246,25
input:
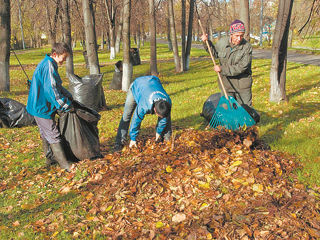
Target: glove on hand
x,y
157,136
132,144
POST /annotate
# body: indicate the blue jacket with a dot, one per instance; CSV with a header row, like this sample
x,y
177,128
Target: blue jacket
x,y
46,94
146,90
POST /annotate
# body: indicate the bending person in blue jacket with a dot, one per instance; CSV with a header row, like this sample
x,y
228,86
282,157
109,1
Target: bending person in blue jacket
x,y
46,97
145,96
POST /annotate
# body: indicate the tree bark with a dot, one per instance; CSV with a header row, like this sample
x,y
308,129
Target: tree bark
x,y
119,32
153,41
168,29
21,26
52,25
279,52
189,40
245,17
174,38
127,65
67,35
183,35
5,32
111,19
138,35
91,40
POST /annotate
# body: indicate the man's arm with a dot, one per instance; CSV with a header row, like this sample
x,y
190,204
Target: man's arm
x,y
55,90
162,123
136,123
204,38
240,66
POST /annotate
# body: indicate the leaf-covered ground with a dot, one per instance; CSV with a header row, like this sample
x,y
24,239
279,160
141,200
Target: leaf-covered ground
x,y
201,185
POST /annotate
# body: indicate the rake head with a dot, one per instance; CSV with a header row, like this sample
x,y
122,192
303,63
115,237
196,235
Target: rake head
x,y
230,114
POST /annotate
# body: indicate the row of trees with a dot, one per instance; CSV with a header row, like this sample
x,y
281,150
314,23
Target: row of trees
x,y
113,21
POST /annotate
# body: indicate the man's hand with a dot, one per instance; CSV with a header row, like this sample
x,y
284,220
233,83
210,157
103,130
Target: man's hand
x,y
157,136
204,37
132,144
217,68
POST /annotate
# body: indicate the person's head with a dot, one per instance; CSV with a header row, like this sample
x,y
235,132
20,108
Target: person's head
x,y
162,108
60,52
237,31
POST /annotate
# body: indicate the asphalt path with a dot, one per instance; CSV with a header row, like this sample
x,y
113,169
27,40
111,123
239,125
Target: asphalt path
x,y
291,55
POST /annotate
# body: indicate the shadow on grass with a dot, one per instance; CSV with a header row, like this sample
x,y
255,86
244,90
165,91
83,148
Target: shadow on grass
x,y
300,110
304,88
20,93
28,215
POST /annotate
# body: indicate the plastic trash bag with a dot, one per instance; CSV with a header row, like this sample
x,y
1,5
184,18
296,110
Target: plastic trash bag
x,y
116,83
88,90
252,112
210,106
14,114
80,131
135,56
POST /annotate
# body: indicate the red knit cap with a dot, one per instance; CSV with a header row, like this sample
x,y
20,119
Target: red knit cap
x,y
237,26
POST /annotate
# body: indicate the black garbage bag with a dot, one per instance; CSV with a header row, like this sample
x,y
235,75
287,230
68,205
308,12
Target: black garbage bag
x,y
135,56
88,90
116,83
210,106
80,131
252,112
14,114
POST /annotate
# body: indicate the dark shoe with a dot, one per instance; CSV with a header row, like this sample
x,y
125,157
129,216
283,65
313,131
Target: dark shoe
x,y
60,156
48,153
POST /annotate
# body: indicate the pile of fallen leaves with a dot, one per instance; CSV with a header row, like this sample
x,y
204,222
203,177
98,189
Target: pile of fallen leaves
x,y
201,185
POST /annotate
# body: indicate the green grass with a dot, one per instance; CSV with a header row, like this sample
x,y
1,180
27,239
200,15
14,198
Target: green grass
x,y
32,193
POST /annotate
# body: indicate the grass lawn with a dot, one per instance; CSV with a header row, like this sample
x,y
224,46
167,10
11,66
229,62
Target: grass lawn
x,y
29,192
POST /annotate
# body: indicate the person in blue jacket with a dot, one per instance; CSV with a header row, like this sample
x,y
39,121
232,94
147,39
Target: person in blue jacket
x,y
146,95
46,97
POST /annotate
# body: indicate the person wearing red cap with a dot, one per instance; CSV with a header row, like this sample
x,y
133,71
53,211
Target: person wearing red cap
x,y
235,56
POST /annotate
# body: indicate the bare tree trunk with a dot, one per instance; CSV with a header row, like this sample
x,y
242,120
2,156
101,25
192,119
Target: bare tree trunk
x,y
102,40
279,52
127,65
67,35
111,20
189,40
5,32
219,18
91,42
245,17
21,26
119,33
52,26
174,37
183,35
138,36
168,29
143,34
153,41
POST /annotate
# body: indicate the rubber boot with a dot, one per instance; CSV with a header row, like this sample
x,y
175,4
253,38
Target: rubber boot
x,y
48,153
60,156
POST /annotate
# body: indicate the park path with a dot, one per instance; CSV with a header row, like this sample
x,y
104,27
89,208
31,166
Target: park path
x,y
293,56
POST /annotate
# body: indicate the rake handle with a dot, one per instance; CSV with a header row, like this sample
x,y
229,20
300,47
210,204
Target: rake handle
x,y
213,60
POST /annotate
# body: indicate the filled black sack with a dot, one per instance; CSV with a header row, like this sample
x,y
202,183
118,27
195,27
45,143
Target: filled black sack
x,y
210,106
135,56
116,83
252,112
14,114
80,131
88,90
